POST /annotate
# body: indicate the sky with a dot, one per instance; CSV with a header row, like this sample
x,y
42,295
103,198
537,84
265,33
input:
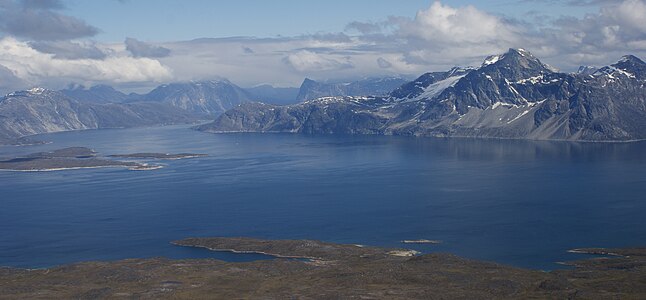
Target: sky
x,y
136,45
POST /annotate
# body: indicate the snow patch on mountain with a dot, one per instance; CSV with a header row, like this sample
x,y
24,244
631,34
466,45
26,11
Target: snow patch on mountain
x,y
437,88
491,60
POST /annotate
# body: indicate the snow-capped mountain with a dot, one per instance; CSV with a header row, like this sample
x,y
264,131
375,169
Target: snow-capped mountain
x,y
513,95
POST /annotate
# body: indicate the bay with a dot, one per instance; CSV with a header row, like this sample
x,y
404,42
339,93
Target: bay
x,y
523,203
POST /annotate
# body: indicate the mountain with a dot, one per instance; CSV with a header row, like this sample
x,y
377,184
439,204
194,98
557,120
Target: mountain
x,y
513,95
97,94
586,70
272,95
311,89
202,98
41,111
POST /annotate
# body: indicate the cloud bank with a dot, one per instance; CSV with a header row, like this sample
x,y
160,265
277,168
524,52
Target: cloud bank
x,y
37,19
438,37
43,47
34,67
142,49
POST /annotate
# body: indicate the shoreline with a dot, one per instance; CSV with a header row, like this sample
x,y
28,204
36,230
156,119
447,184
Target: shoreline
x,y
247,252
619,142
131,168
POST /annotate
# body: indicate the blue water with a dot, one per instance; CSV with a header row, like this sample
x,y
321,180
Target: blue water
x,y
522,203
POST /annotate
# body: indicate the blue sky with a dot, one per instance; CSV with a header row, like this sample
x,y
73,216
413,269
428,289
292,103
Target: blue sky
x,y
136,45
169,20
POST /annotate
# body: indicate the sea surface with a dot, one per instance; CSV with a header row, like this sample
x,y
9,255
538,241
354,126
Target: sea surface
x,y
522,203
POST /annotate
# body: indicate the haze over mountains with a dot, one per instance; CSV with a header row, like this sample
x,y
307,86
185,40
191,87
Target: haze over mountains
x,y
378,86
40,110
513,95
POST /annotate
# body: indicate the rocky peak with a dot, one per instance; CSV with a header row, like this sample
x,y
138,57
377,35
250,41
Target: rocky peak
x,y
515,64
37,91
586,70
33,92
631,65
519,58
631,59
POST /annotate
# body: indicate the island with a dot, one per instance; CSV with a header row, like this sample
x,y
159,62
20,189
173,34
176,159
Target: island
x,y
67,159
158,156
422,241
314,269
83,158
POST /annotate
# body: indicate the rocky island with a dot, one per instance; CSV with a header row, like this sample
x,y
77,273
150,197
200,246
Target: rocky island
x,y
158,156
83,158
65,159
314,269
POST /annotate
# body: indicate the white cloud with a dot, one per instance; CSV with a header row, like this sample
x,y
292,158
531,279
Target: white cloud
x,y
618,28
38,68
446,26
143,49
383,63
37,19
437,38
308,61
630,14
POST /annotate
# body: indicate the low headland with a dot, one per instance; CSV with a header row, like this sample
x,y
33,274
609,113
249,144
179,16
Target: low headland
x,y
305,269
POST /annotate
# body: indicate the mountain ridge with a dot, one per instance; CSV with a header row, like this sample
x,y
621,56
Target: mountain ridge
x,y
39,110
513,95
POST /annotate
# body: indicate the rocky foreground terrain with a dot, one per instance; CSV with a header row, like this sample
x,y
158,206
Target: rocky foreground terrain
x,y
318,270
513,95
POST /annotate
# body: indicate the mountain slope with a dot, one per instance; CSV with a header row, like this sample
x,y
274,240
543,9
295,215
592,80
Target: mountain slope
x,y
97,94
513,95
41,111
204,98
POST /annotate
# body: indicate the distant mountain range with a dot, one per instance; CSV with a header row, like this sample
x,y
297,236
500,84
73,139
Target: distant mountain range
x,y
40,110
379,86
98,94
205,99
513,95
